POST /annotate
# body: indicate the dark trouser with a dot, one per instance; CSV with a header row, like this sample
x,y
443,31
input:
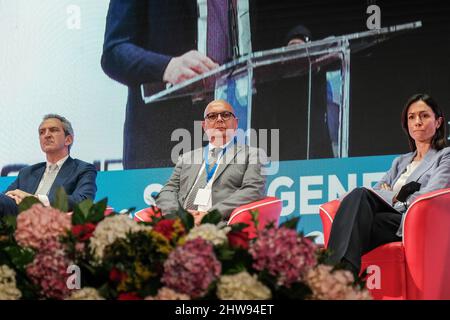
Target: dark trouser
x,y
7,206
362,223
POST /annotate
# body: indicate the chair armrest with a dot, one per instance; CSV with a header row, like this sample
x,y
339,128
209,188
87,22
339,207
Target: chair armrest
x,y
146,215
327,212
426,239
269,210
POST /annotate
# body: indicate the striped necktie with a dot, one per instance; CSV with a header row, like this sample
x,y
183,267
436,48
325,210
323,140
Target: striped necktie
x,y
201,181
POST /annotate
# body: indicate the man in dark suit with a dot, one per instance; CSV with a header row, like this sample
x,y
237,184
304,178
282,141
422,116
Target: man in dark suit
x,y
43,179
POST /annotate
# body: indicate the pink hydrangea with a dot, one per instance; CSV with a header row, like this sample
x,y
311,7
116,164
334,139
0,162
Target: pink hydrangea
x,y
327,284
39,223
191,268
49,270
284,254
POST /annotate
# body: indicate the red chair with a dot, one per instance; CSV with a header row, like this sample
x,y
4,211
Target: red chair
x,y
145,215
269,210
417,267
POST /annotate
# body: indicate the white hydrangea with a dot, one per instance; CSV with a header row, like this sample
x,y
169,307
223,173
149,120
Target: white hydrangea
x,y
8,288
242,286
209,232
86,293
112,228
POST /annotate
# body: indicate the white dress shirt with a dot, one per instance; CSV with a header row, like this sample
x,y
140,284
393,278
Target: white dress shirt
x,y
44,197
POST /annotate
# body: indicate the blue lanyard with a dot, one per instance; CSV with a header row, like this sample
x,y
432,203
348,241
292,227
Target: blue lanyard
x,y
210,173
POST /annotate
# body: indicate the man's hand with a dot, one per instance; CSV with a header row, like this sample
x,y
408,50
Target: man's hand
x,y
187,66
198,216
18,195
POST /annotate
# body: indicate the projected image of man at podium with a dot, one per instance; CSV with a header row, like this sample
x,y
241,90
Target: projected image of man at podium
x,y
161,43
287,99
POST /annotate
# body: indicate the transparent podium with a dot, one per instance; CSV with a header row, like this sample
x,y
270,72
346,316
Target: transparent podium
x,y
320,68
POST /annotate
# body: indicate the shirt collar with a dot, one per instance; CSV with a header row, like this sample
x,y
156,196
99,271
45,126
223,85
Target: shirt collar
x,y
211,146
58,163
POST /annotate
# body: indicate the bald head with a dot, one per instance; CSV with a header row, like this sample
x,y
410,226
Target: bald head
x,y
220,122
218,104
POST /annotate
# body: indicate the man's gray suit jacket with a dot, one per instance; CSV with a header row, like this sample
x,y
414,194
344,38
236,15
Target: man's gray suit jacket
x,y
239,180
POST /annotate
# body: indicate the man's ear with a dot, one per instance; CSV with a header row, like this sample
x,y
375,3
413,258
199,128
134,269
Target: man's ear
x,y
68,140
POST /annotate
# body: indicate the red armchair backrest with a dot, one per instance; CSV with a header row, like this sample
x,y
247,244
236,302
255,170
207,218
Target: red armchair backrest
x,y
327,212
426,239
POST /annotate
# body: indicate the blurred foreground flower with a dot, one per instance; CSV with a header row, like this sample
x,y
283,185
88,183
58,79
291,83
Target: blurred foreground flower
x,y
242,286
39,223
191,268
8,289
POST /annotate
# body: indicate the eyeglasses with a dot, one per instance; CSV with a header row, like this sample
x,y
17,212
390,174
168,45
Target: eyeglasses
x,y
213,116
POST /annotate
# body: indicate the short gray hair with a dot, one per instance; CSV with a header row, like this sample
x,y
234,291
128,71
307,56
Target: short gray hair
x,y
67,126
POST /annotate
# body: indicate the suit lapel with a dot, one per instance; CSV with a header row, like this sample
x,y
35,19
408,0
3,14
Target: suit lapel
x,y
424,166
35,178
64,173
194,168
229,155
402,166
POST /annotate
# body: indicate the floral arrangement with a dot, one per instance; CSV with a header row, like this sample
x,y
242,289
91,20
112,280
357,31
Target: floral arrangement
x,y
46,253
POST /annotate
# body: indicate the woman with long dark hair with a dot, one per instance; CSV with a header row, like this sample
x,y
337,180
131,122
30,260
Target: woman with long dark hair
x,y
368,218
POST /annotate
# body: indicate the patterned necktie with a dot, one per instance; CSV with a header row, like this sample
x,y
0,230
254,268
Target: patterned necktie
x,y
201,182
48,179
218,38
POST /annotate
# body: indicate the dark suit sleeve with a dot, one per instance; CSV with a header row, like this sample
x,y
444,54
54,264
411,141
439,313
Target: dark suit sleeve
x,y
124,59
20,182
85,188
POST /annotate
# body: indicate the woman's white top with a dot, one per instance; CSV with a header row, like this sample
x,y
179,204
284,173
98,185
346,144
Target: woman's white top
x,y
402,179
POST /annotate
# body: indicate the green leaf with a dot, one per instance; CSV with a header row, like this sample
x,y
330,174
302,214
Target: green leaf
x,y
239,267
10,221
27,203
213,217
20,257
238,226
291,224
255,214
61,200
98,211
85,207
77,216
224,253
186,218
